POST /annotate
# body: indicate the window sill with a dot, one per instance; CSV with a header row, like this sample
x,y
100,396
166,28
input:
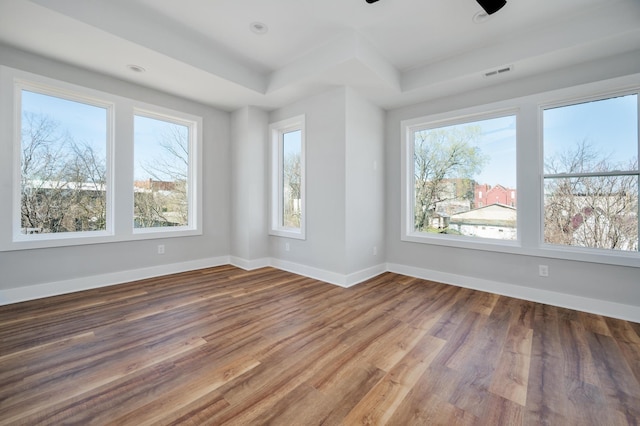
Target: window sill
x,y
608,257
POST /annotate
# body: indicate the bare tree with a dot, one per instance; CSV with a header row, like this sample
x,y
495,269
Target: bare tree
x,y
442,154
597,211
292,182
62,181
164,201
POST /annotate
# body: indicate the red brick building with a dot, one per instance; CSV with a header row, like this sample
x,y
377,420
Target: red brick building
x,y
485,195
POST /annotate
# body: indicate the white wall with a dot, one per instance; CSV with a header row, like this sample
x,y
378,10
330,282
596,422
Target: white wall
x,y
249,147
588,286
23,268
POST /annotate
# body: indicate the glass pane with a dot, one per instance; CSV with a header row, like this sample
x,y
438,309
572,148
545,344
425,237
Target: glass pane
x,y
291,179
597,212
465,179
161,173
63,165
594,136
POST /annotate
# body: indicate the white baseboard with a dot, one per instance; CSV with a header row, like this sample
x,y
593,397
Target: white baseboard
x,y
21,294
599,307
570,301
310,271
328,276
249,265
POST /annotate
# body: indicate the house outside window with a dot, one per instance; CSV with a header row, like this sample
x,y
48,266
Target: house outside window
x,y
460,174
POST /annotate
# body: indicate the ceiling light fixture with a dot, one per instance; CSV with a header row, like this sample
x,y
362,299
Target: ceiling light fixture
x,y
491,6
259,28
136,68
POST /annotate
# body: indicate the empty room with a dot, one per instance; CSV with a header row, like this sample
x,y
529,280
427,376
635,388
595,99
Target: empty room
x,y
340,212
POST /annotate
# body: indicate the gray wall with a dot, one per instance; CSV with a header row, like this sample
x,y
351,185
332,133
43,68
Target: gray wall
x,y
249,155
352,206
364,223
28,267
324,246
344,193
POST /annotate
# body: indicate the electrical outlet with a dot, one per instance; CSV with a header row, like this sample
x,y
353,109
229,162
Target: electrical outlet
x,y
375,250
543,270
160,248
287,247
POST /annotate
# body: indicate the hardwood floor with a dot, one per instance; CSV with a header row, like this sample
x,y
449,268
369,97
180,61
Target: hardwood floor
x,y
226,346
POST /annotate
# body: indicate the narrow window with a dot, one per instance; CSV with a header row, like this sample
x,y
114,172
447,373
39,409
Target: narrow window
x,y
162,152
287,183
590,192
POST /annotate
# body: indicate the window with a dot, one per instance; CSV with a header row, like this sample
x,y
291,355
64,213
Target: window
x,y
161,172
82,174
63,164
591,174
287,178
460,175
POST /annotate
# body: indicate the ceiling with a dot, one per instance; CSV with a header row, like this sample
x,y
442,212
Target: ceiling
x,y
393,52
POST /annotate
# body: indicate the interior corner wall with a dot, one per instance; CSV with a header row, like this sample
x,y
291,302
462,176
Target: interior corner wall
x,y
249,186
364,181
26,268
595,284
324,246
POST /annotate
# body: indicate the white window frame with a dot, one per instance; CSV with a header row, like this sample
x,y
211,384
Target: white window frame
x,y
277,131
119,154
530,181
408,128
194,189
577,251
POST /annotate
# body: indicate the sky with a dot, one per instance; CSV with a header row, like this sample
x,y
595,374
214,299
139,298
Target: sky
x,y
88,123
497,144
610,125
84,123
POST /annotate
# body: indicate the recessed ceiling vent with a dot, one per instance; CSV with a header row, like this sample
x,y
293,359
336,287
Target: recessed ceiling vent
x,y
498,71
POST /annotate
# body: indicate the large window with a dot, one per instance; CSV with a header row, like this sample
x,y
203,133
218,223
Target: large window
x,y
90,167
63,163
591,174
577,175
287,182
461,177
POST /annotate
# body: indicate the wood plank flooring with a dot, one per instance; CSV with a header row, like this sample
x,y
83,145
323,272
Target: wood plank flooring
x,y
227,346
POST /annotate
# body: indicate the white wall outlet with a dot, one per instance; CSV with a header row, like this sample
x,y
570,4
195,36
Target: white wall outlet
x,y
160,248
287,247
543,270
375,250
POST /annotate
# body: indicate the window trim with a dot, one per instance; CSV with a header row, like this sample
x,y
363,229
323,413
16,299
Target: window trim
x,y
119,152
277,131
408,127
529,141
194,189
65,93
577,252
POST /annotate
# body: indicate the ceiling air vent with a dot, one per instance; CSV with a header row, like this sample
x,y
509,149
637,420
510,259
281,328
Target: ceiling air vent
x,y
498,71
